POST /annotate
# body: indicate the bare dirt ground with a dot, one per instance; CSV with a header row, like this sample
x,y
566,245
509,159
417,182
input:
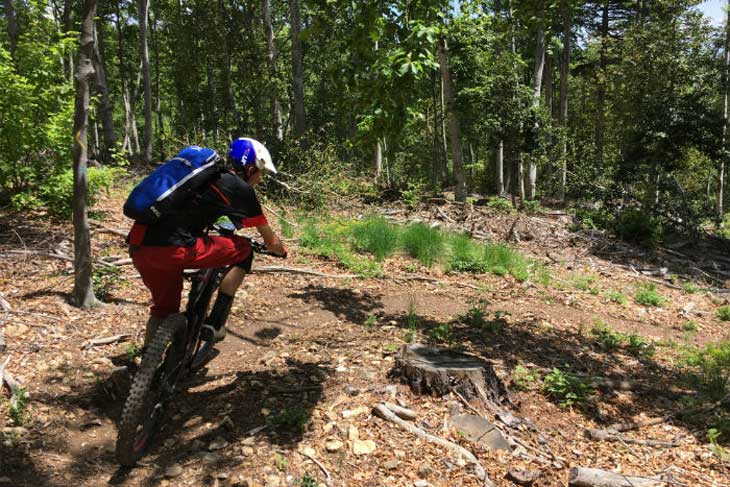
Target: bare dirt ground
x,y
309,343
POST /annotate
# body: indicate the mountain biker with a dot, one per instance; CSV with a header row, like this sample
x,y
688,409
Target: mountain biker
x,y
161,251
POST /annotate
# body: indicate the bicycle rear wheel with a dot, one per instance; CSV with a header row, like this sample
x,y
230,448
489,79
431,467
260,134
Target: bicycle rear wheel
x,y
152,385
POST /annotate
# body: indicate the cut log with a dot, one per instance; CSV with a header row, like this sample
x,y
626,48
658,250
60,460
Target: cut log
x,y
438,371
593,477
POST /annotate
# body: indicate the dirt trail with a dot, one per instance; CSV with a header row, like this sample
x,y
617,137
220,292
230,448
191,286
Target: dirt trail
x,y
304,351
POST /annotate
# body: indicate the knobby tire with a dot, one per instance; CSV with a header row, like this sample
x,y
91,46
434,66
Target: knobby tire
x,y
145,392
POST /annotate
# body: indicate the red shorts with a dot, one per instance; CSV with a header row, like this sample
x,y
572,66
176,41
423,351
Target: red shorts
x,y
162,268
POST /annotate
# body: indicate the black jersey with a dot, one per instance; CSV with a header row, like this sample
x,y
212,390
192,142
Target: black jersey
x,y
229,195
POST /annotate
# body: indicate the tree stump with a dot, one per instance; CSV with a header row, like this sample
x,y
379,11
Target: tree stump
x,y
438,371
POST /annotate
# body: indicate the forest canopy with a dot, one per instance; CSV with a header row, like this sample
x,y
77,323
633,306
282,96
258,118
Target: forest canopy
x,y
618,104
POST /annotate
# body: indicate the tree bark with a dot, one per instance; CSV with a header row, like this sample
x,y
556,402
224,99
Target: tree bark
x,y
454,123
536,87
271,48
12,26
563,103
601,88
297,70
723,152
499,167
105,109
158,99
83,294
378,160
67,19
144,6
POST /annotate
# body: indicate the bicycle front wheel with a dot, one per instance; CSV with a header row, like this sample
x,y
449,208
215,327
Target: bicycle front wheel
x,y
152,385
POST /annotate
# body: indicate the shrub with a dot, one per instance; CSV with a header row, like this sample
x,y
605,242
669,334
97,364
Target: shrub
x,y
723,313
307,481
441,333
57,191
474,317
294,420
585,283
532,206
712,369
376,236
606,337
647,295
565,387
424,243
500,204
636,226
690,287
617,297
17,406
523,379
412,196
689,326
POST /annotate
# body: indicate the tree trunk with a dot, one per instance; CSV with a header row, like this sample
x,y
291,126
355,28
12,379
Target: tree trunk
x,y
12,26
536,88
271,48
601,88
723,152
378,160
563,104
144,6
499,167
548,85
454,124
158,99
67,19
105,109
297,70
83,294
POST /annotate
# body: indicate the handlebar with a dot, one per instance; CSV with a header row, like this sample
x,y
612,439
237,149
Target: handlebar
x,y
227,229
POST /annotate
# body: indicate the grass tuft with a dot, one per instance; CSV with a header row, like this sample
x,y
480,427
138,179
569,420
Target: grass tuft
x,y
723,313
426,244
647,295
376,236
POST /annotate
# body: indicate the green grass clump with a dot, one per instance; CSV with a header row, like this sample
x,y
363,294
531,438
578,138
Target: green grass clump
x,y
294,420
647,295
287,228
723,313
502,260
606,337
617,297
690,287
689,326
500,204
330,241
466,255
376,236
711,374
586,283
411,322
568,389
523,379
426,244
307,481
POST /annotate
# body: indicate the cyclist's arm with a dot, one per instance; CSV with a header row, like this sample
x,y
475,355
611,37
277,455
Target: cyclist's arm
x,y
271,240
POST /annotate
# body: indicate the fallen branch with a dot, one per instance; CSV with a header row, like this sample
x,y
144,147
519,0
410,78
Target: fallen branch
x,y
279,216
321,467
41,254
593,477
4,305
119,262
286,186
444,215
8,379
404,413
106,340
103,227
385,413
607,435
308,272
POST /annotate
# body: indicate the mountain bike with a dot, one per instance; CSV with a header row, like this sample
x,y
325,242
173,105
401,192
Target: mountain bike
x,y
175,353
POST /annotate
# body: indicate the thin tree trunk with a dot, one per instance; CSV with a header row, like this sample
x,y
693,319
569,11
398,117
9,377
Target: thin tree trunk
x,y
158,98
548,85
105,109
378,160
271,48
12,26
144,6
67,19
563,104
83,294
725,82
444,142
537,86
601,88
297,70
499,167
454,123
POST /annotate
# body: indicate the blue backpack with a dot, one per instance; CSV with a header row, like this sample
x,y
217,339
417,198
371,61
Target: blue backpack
x,y
172,183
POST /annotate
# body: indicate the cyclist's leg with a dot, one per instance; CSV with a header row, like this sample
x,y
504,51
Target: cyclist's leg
x,y
219,252
161,273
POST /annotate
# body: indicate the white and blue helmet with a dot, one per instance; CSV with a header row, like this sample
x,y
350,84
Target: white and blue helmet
x,y
245,152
